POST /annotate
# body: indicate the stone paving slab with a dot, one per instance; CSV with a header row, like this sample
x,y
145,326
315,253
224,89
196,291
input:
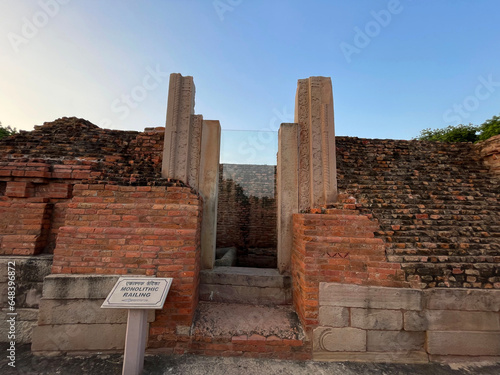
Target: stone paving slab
x,y
226,320
28,364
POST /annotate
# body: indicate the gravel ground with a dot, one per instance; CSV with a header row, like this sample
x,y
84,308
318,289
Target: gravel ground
x,y
28,364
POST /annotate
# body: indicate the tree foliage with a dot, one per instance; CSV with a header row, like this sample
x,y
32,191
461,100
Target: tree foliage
x,y
5,131
489,128
459,133
463,133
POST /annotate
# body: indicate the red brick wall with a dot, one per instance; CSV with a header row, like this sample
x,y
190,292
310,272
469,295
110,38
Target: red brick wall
x,y
338,246
140,230
24,225
490,153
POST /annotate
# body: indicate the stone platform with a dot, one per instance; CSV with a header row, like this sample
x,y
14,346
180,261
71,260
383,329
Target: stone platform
x,y
245,285
227,329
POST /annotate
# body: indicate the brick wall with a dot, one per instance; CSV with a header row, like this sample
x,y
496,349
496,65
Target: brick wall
x,y
139,230
246,213
39,168
490,154
436,203
336,246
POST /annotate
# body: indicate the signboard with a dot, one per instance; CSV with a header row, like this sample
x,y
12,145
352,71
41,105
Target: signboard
x,y
138,293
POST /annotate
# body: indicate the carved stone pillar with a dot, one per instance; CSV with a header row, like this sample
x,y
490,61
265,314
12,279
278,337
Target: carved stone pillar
x,y
177,146
191,154
306,171
317,163
287,188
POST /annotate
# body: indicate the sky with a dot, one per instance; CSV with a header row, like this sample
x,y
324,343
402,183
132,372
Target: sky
x,y
397,66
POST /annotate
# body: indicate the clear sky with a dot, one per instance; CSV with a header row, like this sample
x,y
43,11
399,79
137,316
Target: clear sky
x,y
396,66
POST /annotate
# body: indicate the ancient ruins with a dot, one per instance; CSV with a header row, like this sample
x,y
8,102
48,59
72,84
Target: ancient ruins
x,y
346,249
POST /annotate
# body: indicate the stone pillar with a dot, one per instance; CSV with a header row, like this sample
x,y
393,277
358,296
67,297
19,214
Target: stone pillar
x,y
191,154
179,128
317,163
209,190
287,188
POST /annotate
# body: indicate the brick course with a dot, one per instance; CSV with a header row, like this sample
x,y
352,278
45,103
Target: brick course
x,y
437,205
138,230
336,246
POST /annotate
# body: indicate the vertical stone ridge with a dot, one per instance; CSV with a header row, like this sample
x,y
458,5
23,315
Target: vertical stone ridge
x,y
301,112
317,163
195,153
180,112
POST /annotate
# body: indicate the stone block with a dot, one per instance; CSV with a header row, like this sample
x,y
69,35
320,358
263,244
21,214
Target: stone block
x,y
450,320
391,320
462,299
377,357
245,294
78,337
24,329
24,314
339,339
415,321
244,276
369,297
81,311
463,343
394,341
78,286
331,316
468,360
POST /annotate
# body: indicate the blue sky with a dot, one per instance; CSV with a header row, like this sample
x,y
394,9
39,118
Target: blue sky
x,y
396,66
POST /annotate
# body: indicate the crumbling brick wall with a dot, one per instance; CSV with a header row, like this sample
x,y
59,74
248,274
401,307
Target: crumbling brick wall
x,y
38,170
436,203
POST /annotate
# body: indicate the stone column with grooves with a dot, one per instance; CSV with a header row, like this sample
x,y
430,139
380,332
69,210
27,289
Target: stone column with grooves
x,y
191,154
177,158
317,163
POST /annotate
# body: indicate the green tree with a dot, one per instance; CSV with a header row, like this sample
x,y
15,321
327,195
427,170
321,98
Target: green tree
x,y
458,133
489,128
5,131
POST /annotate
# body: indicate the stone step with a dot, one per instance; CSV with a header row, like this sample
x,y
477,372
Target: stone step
x,y
265,331
260,286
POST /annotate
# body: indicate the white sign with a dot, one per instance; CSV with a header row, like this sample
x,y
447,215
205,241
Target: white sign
x,y
138,293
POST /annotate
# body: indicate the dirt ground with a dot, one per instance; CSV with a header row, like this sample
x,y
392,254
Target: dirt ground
x,y
28,364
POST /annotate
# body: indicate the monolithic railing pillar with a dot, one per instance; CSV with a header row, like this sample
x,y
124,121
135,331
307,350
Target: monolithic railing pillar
x,y
191,154
287,187
209,189
178,128
306,171
317,164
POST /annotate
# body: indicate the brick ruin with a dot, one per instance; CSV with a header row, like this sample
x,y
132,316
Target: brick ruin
x,y
373,241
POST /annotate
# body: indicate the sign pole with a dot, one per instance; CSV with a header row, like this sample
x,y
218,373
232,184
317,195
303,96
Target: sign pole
x,y
135,341
138,295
